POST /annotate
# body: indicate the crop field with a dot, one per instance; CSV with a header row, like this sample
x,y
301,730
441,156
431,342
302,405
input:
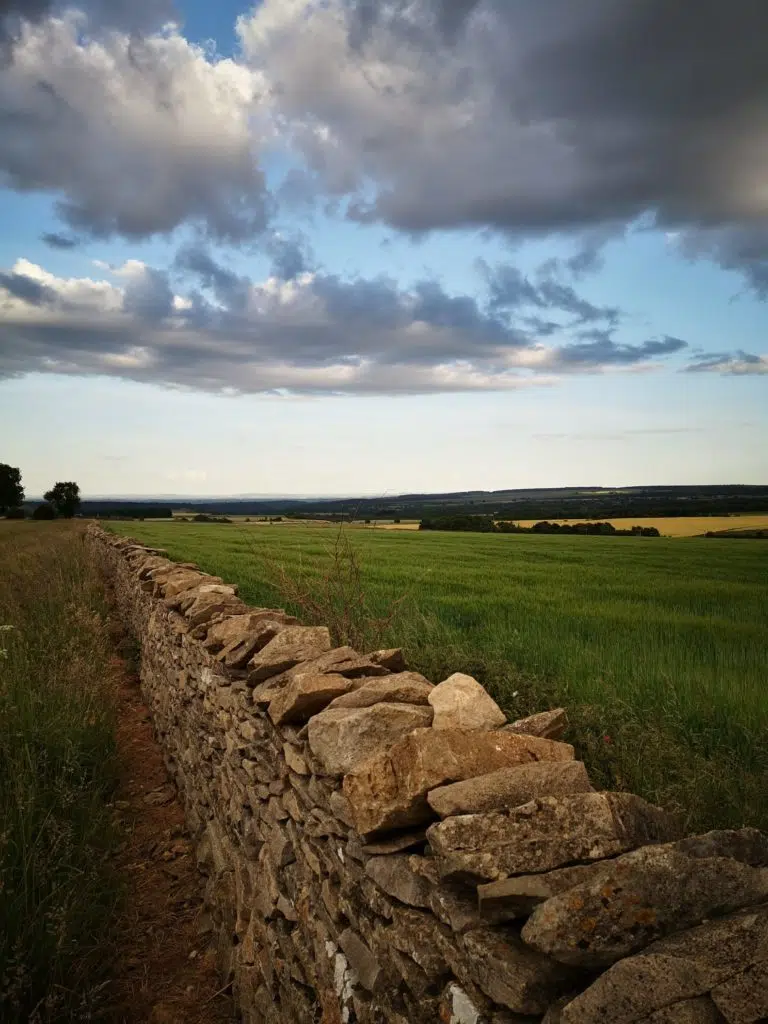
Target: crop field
x,y
658,647
683,526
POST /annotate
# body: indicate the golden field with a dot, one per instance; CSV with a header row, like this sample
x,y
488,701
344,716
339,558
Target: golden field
x,y
682,526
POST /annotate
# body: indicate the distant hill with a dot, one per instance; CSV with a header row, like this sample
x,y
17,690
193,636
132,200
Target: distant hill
x,y
528,503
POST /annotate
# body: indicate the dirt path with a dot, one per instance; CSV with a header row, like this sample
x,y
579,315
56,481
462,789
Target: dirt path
x,y
165,973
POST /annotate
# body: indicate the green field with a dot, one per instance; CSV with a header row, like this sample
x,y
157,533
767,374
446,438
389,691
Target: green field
x,y
659,648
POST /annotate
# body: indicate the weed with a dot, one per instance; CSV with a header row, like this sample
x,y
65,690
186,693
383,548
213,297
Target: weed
x,y
56,772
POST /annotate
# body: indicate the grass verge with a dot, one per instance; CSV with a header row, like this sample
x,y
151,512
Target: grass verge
x,y
57,769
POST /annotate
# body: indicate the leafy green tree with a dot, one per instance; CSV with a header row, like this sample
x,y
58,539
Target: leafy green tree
x,y
65,498
11,491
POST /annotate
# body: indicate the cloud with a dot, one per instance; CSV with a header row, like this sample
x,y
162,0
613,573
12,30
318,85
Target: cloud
x,y
59,241
738,364
133,16
199,325
741,248
621,435
606,351
20,286
135,134
524,117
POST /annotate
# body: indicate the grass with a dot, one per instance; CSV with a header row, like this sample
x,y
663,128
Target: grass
x,y
657,647
57,769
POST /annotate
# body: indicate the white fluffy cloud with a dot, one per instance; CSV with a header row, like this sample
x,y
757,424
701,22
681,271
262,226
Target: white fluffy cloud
x,y
136,135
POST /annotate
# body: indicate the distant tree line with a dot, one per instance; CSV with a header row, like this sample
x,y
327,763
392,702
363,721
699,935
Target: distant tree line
x,y
487,524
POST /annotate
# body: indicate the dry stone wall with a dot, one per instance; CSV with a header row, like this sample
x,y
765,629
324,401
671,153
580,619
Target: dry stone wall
x,y
380,849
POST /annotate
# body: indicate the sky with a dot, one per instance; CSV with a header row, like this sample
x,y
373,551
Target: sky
x,y
379,246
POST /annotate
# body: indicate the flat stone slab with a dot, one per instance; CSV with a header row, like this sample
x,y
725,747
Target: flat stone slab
x,y
291,646
516,897
342,739
510,787
545,834
305,695
504,969
390,791
398,875
684,966
460,702
398,688
548,724
638,898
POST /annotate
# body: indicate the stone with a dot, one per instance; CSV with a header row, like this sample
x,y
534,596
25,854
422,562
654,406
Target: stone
x,y
458,1008
305,695
689,1011
549,725
295,759
344,738
397,877
638,898
510,787
340,808
390,791
176,583
747,845
292,645
397,842
460,702
211,603
519,896
743,998
545,834
422,938
682,966
239,652
455,907
402,688
361,959
236,627
392,659
511,974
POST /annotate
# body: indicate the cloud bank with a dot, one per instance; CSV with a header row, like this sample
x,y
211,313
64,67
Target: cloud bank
x,y
198,324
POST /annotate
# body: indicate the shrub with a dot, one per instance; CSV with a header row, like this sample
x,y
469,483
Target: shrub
x,y
44,511
16,513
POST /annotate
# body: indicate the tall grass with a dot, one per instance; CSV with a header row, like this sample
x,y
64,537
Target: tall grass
x,y
57,769
658,647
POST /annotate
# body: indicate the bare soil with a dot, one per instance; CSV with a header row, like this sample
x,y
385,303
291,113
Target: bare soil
x,y
165,970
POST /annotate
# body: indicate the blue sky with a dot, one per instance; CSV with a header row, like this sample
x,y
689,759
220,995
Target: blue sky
x,y
305,253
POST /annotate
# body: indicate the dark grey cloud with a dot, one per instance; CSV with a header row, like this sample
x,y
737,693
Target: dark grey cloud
x,y
742,248
59,241
130,15
148,295
290,256
230,289
511,290
608,352
20,286
532,118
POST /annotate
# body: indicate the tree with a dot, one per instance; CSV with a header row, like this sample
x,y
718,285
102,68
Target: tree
x,y
65,498
44,511
11,491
